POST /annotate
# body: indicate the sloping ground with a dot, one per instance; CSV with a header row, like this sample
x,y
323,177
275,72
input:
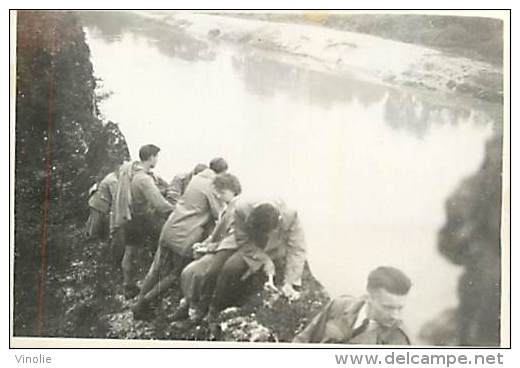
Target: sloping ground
x,y
341,52
85,300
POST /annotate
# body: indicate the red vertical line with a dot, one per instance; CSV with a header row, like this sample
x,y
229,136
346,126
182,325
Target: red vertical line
x,y
46,199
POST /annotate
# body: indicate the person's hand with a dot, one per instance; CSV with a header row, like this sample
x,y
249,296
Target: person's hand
x,y
211,247
246,275
289,292
269,285
199,249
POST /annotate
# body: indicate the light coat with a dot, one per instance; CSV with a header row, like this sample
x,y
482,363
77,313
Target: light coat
x,y
195,210
287,241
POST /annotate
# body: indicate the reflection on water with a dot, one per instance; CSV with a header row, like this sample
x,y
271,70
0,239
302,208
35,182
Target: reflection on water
x,y
111,26
368,167
262,76
403,110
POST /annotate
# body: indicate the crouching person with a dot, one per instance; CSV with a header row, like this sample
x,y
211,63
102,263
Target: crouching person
x,y
374,319
264,232
199,277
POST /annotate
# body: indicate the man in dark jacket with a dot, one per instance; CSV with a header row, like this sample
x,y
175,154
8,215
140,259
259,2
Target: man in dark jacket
x,y
100,203
180,182
374,319
137,198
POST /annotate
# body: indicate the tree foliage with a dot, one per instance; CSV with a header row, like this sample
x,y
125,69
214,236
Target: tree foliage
x,y
61,147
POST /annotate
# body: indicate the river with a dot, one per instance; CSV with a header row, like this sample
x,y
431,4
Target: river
x,y
368,166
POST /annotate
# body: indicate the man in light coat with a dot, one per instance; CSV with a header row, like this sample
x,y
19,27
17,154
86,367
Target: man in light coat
x,y
196,210
199,277
261,229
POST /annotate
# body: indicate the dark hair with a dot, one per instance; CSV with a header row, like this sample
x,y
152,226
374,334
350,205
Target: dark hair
x,y
114,166
199,168
219,165
147,151
262,219
227,181
391,279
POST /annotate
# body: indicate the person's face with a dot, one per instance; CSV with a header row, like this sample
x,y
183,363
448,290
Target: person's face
x,y
385,308
225,195
153,161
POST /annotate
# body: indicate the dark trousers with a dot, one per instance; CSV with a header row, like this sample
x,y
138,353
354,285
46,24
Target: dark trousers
x,y
230,289
164,271
117,247
209,282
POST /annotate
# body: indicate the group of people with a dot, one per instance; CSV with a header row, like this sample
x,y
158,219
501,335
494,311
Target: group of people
x,y
221,247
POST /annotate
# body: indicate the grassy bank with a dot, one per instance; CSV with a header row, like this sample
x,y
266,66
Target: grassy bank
x,y
473,37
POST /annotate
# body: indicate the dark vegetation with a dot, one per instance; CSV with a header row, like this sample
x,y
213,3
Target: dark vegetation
x,y
473,37
471,238
62,147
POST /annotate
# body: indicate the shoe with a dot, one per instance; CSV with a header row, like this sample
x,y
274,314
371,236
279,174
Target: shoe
x,y
181,313
197,311
214,331
130,291
213,325
143,311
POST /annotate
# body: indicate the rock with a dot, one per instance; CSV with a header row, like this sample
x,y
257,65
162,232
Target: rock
x,y
451,84
271,317
214,33
263,317
246,328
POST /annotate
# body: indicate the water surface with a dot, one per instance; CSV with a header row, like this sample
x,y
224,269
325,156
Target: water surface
x,y
367,166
